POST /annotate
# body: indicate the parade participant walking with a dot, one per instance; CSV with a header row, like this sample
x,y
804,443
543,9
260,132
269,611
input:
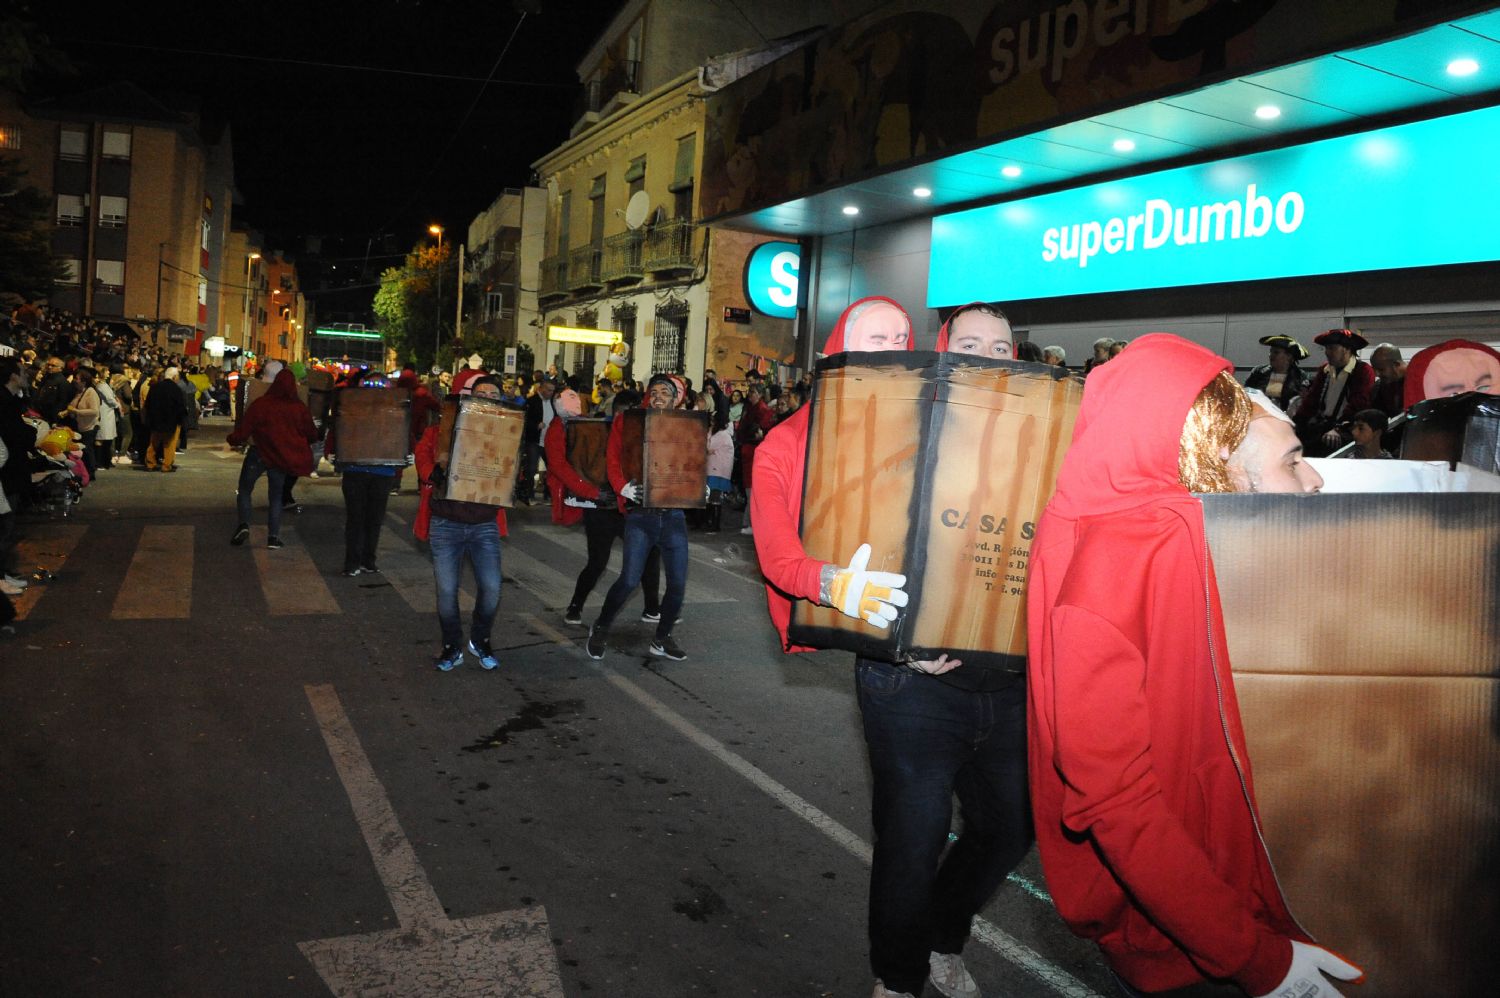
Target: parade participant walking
x,y
367,492
931,729
455,530
280,431
646,528
1144,800
165,412
575,498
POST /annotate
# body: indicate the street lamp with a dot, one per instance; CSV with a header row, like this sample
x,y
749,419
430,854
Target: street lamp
x,y
437,336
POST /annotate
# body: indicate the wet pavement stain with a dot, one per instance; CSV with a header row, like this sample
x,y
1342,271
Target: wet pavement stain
x,y
533,716
705,901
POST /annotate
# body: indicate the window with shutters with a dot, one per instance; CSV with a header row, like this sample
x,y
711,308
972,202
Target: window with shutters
x,y
73,144
112,211
70,209
10,136
635,175
116,144
72,270
111,275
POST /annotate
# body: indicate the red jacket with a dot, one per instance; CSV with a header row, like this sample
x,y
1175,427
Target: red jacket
x,y
1140,781
281,427
756,420
423,404
562,479
1359,392
425,458
776,506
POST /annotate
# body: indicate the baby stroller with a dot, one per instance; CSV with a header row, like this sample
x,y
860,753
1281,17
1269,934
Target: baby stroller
x,y
54,488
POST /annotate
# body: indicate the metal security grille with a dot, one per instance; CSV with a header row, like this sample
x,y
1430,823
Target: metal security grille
x,y
667,335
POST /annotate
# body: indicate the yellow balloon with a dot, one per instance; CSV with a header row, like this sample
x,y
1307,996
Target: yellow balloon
x,y
57,441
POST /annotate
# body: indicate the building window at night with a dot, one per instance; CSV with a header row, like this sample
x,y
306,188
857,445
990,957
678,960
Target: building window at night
x,y
70,209
116,144
112,211
10,137
682,177
110,275
635,176
494,305
72,270
73,145
668,336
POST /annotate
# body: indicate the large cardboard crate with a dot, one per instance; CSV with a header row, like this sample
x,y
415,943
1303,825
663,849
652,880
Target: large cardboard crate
x,y
256,387
666,452
1364,631
587,443
374,426
319,398
942,463
479,443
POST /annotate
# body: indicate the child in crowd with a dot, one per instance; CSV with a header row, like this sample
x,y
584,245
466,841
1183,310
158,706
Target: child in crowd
x,y
1367,427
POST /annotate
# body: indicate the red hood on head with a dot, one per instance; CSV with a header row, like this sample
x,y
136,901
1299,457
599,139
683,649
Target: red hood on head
x,y
1129,429
942,340
1416,369
408,379
835,342
285,385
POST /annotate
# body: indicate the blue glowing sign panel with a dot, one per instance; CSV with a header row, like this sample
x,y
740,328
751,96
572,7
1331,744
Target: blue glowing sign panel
x,y
1416,195
771,279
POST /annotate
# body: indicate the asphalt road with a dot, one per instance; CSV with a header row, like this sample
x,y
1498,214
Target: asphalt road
x,y
231,771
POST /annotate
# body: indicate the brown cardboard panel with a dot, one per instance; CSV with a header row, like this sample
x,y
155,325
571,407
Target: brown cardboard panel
x,y
374,426
1380,803
484,450
1359,584
255,388
665,451
319,381
587,442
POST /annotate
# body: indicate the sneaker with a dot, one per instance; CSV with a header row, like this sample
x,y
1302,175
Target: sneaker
x,y
10,589
370,569
667,647
291,507
746,530
651,616
595,646
881,992
486,655
15,581
274,543
350,573
450,658
572,615
241,534
951,978
395,492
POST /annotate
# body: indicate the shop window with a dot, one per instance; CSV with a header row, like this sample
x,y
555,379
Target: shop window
x,y
10,137
116,144
111,275
112,211
72,270
70,209
73,144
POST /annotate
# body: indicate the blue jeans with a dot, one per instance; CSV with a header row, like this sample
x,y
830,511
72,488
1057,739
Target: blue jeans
x,y
450,541
250,472
646,529
928,741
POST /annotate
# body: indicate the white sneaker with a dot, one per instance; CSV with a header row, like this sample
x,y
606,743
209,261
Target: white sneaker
x,y
11,590
746,530
950,976
16,580
881,992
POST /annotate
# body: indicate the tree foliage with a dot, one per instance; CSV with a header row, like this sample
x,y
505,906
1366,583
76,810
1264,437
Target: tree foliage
x,y
27,266
407,305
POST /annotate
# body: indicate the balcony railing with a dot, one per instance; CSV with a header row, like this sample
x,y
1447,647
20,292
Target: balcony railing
x,y
583,268
623,78
622,257
554,277
669,246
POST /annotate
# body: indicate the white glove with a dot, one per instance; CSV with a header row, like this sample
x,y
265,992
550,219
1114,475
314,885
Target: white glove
x,y
874,597
1304,979
631,492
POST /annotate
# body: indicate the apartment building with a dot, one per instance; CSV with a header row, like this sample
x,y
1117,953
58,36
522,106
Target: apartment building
x,y
504,260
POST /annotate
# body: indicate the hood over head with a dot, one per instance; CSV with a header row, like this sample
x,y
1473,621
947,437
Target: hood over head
x,y
835,342
285,385
943,331
408,379
1128,436
1414,389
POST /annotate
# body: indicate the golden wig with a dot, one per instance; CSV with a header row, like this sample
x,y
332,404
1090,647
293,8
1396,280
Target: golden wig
x,y
1216,425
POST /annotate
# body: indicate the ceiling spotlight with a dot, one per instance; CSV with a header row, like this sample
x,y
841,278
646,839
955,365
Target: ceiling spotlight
x,y
1011,171
1124,145
850,209
921,192
1268,112
1463,67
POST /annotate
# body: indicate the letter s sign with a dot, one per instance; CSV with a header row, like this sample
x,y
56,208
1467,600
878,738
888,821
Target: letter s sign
x,y
771,273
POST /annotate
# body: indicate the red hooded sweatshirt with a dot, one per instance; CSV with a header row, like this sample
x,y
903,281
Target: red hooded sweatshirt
x,y
776,503
423,404
563,479
281,427
1140,780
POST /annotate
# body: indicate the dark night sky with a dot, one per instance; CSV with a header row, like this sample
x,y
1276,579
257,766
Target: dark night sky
x,y
346,151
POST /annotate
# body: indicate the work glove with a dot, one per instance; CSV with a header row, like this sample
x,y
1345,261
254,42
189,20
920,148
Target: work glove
x,y
1304,979
631,491
438,476
874,597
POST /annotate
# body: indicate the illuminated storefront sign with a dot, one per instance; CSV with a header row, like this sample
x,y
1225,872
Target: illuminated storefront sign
x,y
1416,195
592,337
771,274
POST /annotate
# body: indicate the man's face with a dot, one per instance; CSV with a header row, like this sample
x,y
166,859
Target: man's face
x,y
1463,370
883,327
753,395
980,334
1338,355
1363,433
661,396
486,391
54,366
1387,364
546,389
1281,359
1270,460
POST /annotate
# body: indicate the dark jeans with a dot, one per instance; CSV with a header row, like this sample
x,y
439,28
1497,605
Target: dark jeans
x,y
250,471
89,439
286,491
601,527
365,499
104,453
928,741
449,542
140,437
530,454
646,529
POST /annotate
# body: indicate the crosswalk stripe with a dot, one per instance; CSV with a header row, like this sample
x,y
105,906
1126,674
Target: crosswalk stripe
x,y
291,580
45,547
159,583
698,591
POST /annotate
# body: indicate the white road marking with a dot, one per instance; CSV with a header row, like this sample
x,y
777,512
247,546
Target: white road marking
x,y
291,581
46,547
508,953
578,543
1006,946
159,583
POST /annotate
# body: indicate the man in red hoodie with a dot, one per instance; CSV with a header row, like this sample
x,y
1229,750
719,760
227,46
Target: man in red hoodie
x,y
1140,781
931,732
280,430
